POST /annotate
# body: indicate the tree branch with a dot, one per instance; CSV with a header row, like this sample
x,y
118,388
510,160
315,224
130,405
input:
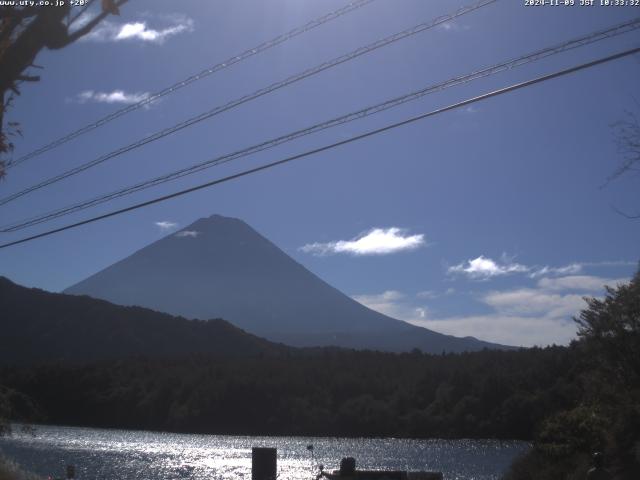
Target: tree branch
x,y
89,26
625,215
29,78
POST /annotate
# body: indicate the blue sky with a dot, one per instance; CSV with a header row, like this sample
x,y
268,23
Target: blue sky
x,y
488,221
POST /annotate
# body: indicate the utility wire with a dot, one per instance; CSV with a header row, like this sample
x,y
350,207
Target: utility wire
x,y
183,83
370,110
252,96
308,153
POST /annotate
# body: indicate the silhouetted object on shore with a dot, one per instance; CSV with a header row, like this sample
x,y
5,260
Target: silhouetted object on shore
x,y
347,467
348,471
69,475
264,463
598,472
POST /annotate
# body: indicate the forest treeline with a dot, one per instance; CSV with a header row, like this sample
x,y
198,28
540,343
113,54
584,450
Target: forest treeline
x,y
489,394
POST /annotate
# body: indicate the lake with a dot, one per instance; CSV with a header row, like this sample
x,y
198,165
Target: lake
x,y
123,454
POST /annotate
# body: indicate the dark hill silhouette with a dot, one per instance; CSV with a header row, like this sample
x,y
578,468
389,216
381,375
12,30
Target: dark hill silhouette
x,y
39,326
228,270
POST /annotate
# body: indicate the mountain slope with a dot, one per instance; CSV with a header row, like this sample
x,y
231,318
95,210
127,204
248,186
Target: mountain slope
x,y
220,267
39,326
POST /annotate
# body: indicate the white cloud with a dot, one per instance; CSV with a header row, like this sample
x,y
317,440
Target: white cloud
x,y
115,96
109,31
188,233
166,225
484,268
378,241
140,31
421,312
393,304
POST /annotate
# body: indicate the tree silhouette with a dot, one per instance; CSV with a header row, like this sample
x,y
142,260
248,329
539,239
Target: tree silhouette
x,y
24,32
627,134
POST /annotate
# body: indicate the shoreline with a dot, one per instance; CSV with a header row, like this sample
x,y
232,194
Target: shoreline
x,y
334,437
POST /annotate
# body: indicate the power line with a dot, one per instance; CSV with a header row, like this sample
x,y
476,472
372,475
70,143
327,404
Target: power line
x,y
308,153
252,96
370,110
193,78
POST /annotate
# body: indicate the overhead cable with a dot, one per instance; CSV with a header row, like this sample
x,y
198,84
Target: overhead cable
x,y
315,151
362,113
249,97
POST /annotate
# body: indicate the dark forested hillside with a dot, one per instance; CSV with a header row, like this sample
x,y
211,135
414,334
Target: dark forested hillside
x,y
484,394
39,326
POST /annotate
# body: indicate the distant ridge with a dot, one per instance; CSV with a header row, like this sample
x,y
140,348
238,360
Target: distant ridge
x,y
220,267
39,326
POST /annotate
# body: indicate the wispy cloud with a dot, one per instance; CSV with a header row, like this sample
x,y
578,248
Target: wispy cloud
x,y
484,268
534,302
378,241
188,233
538,315
115,96
541,315
109,31
577,267
166,225
511,321
393,304
506,329
585,283
432,294
570,269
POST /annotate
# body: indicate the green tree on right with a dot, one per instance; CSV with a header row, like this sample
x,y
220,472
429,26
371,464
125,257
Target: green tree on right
x,y
607,417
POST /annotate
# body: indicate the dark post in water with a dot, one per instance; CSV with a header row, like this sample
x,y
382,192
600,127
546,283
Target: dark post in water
x,y
264,463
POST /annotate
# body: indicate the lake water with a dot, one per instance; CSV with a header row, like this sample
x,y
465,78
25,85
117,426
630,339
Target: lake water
x,y
122,454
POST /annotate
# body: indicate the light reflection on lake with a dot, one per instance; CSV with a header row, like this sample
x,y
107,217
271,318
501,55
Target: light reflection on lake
x,y
122,454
